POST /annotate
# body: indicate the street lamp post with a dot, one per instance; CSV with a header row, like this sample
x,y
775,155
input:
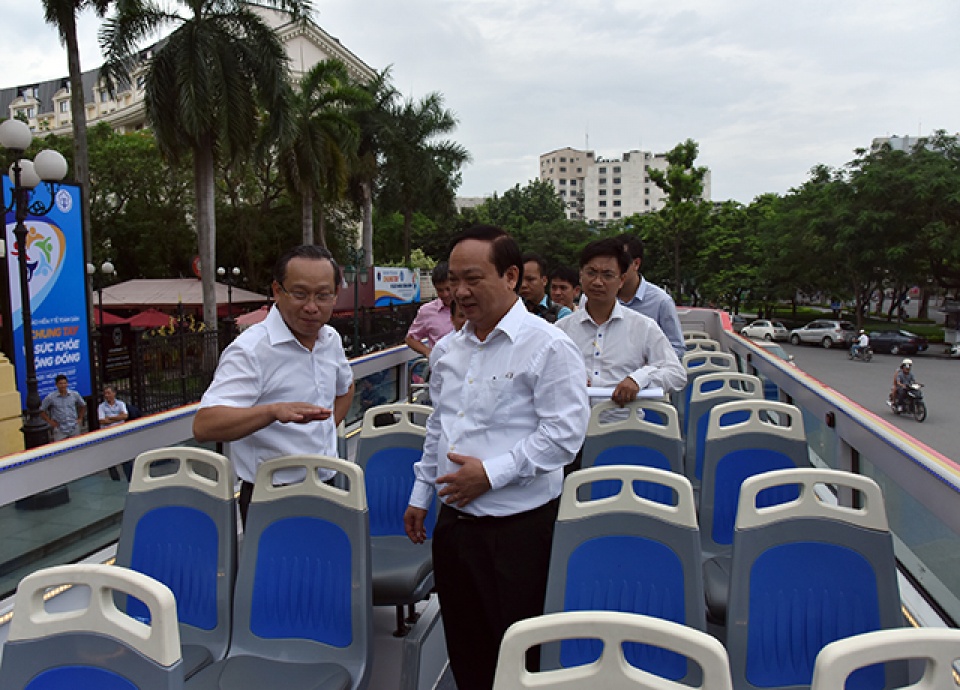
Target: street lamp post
x,y
108,270
229,277
356,273
48,166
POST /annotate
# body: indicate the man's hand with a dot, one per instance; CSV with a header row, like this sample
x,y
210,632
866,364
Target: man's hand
x,y
467,483
626,391
300,413
413,520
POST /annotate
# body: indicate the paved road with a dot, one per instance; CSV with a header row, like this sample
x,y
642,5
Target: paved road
x,y
869,383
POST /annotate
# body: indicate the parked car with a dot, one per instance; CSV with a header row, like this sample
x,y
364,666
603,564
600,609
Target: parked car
x,y
898,342
766,330
824,332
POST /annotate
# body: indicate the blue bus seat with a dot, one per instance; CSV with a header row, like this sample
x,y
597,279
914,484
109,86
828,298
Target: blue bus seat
x,y
402,571
806,573
707,391
180,528
303,608
744,438
643,432
697,364
96,646
626,553
612,632
701,345
938,647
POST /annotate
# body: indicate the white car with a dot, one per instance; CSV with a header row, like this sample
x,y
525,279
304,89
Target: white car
x,y
766,330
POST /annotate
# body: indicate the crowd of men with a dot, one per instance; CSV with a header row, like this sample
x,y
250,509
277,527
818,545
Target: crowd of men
x,y
513,353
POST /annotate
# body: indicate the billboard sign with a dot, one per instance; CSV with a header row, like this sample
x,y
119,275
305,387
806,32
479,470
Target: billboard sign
x,y
56,275
396,286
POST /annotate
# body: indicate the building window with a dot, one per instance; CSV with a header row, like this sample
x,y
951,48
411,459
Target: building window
x,y
562,181
616,168
603,170
603,214
603,204
104,96
646,167
646,190
616,192
563,159
647,180
573,183
603,180
563,168
551,171
602,192
616,202
646,202
616,214
616,180
64,106
579,169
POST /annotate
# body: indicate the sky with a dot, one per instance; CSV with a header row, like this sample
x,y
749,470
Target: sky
x,y
767,88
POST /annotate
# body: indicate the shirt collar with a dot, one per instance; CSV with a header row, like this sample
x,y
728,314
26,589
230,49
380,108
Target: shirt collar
x,y
279,332
617,313
509,325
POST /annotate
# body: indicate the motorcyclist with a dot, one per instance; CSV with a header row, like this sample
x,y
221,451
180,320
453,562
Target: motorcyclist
x,y
901,383
860,344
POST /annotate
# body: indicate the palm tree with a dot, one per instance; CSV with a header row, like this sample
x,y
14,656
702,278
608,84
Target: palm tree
x,y
63,15
206,86
420,171
373,118
316,155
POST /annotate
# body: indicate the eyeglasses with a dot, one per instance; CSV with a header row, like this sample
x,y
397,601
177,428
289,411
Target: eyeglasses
x,y
605,276
302,297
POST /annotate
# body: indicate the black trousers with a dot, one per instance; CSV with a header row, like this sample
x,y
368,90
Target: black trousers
x,y
490,572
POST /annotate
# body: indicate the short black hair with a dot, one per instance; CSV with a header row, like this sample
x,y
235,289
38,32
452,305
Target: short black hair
x,y
305,251
566,274
60,377
633,244
537,259
441,273
504,250
609,246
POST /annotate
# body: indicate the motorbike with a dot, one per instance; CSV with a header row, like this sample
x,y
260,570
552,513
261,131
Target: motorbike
x,y
864,354
912,403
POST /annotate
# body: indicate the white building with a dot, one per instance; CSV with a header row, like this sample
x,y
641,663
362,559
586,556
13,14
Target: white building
x,y
598,189
46,105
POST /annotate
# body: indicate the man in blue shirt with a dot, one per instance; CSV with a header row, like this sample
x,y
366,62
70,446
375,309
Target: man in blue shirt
x,y
63,409
648,299
533,290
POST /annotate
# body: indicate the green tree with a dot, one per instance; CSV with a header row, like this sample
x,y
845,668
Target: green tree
x,y
519,207
684,212
206,87
62,14
421,172
317,153
728,259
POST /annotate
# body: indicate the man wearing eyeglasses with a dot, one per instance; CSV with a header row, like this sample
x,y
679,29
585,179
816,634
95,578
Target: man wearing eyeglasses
x,y
622,349
284,384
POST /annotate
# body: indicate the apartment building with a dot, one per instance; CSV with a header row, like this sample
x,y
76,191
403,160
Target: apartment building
x,y
45,106
601,190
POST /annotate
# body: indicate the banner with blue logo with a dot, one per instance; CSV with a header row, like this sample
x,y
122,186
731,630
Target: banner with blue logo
x,y
56,274
396,286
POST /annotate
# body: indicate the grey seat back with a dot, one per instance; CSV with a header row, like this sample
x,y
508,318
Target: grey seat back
x,y
95,644
701,345
707,391
613,632
303,589
643,432
179,527
698,364
626,553
822,570
744,438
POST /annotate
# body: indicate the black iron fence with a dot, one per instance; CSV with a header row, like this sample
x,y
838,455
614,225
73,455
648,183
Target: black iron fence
x,y
159,370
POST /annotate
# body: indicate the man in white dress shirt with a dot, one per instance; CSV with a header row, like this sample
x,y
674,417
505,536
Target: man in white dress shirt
x,y
621,348
510,411
284,384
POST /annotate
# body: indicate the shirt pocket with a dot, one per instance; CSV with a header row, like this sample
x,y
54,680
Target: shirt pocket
x,y
490,399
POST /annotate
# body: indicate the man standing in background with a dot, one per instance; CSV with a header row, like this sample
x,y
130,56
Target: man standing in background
x,y
433,318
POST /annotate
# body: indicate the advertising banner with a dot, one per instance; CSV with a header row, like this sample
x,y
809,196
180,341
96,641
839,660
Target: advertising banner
x,y
56,274
396,286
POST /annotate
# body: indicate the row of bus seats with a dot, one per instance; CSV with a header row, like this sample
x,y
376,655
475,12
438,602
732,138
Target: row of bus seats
x,y
803,574
837,665
301,610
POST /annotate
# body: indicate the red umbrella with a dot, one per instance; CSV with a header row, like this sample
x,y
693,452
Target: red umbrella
x,y
106,318
255,316
151,318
